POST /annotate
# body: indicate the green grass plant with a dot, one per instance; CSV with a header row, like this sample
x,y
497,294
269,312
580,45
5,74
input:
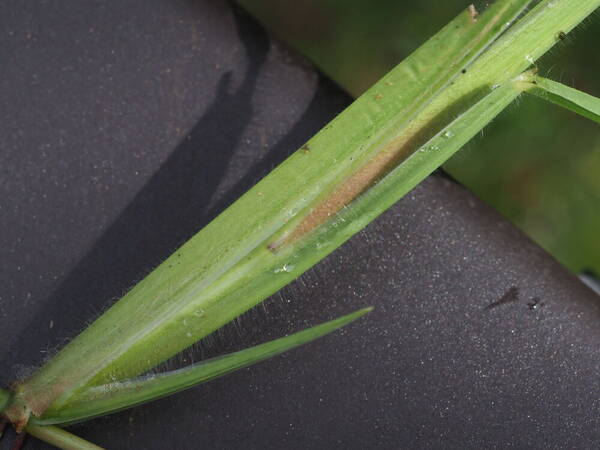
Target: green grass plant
x,y
377,150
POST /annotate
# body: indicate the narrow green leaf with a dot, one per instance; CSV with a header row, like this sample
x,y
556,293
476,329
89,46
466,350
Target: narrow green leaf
x,y
567,97
4,399
231,265
109,398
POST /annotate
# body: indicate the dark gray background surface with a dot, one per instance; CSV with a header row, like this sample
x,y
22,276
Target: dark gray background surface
x,y
127,126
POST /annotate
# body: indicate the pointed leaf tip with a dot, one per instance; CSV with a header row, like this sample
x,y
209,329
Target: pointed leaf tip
x,y
109,398
579,102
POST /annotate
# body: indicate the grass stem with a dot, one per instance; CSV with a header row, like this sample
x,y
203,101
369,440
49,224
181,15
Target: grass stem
x,y
60,438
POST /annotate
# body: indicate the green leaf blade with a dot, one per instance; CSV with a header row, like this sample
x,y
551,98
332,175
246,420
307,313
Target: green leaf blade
x,y
4,399
579,102
236,261
197,290
106,399
115,396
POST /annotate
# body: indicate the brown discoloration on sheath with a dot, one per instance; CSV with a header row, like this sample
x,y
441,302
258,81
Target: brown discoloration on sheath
x,y
378,97
35,402
346,192
473,13
305,148
18,414
42,401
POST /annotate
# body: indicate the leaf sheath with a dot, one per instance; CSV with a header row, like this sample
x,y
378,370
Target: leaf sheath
x,y
357,166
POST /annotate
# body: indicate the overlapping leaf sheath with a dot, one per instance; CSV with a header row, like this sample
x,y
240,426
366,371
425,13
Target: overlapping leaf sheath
x,y
358,165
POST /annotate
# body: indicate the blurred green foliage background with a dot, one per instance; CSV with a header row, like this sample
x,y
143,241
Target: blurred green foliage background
x,y
537,164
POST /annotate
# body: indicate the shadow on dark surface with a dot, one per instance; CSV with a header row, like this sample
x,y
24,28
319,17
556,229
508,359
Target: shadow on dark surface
x,y
169,209
172,206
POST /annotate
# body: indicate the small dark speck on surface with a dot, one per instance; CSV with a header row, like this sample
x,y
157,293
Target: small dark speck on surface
x,y
535,304
510,296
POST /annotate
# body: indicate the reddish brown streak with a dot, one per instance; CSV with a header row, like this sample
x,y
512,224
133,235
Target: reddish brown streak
x,y
347,191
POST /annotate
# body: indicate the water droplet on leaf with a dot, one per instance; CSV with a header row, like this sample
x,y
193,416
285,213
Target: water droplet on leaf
x,y
286,268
